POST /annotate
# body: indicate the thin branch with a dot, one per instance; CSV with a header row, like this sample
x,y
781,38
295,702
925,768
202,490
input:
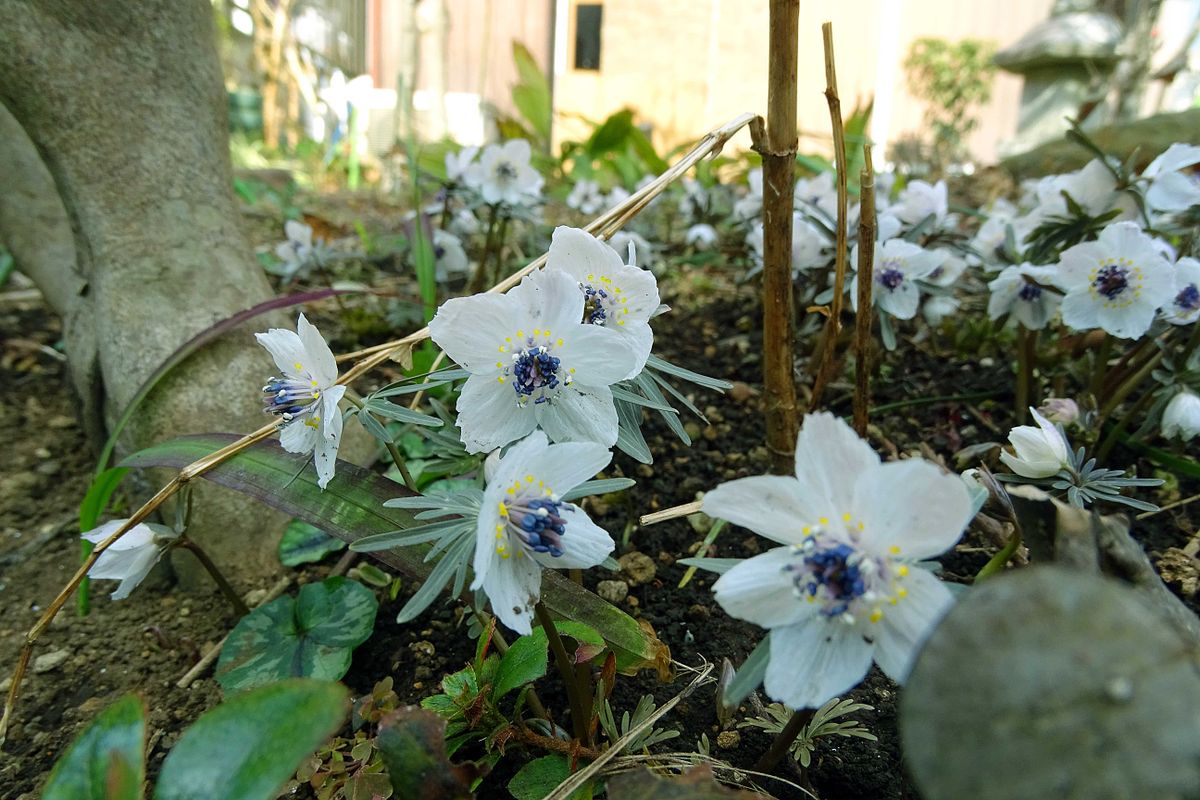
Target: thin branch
x,y
833,324
866,278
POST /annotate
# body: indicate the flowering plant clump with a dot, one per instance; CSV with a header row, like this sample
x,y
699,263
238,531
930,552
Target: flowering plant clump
x,y
845,589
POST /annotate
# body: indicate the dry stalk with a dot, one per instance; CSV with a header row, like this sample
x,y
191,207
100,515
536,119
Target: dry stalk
x,y
604,226
866,279
674,512
567,787
833,324
778,150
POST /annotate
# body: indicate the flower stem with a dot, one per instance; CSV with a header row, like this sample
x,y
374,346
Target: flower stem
x,y
1101,365
479,279
783,741
393,451
579,705
230,594
998,562
1109,441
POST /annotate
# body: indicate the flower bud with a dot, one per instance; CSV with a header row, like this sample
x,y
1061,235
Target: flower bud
x,y
1061,410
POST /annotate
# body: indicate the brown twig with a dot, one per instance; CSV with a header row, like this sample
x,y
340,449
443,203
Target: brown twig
x,y
604,226
833,323
865,313
675,512
778,150
572,749
783,741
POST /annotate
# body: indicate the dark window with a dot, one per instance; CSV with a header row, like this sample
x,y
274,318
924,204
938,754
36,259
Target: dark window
x,y
587,35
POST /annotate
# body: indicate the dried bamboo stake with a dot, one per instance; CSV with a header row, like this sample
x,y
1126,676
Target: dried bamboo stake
x,y
674,512
866,277
604,226
833,325
778,150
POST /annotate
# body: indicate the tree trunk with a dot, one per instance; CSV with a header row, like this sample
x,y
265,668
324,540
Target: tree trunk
x,y
125,104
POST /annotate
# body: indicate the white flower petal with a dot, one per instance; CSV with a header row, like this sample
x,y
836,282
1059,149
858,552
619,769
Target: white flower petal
x,y
136,567
549,299
600,356
814,661
285,348
829,459
774,506
901,302
565,466
580,414
319,360
330,437
472,329
514,586
906,625
585,544
579,254
297,436
761,590
911,506
488,414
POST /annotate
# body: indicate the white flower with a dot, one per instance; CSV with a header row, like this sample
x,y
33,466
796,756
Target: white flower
x,y
844,590
621,241
618,296
1060,410
458,163
1115,283
463,223
130,558
701,236
1171,189
306,397
1181,417
1184,309
1039,452
524,525
586,197
949,269
503,174
809,244
898,265
298,252
449,257
918,200
937,308
618,195
819,191
533,361
1030,304
750,206
994,230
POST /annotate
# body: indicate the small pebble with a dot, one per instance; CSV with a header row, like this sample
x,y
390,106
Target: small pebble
x,y
612,591
639,567
49,661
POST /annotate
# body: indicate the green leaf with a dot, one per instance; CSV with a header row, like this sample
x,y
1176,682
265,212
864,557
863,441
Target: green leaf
x,y
303,543
525,661
412,741
311,636
106,761
98,495
532,95
612,134
750,676
539,777
247,747
351,507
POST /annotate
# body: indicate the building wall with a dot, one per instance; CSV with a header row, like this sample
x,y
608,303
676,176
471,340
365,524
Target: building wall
x,y
689,65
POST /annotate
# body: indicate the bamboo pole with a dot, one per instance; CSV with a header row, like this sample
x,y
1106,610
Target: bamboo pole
x,y
778,150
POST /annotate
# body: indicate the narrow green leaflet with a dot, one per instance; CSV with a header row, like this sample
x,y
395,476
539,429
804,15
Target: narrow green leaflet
x,y
98,495
750,676
352,506
247,747
309,636
106,761
303,544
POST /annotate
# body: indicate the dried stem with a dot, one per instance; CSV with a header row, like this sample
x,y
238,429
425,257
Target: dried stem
x,y
778,150
833,324
865,313
371,357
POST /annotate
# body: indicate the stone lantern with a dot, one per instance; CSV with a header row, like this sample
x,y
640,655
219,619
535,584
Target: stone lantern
x,y
1063,60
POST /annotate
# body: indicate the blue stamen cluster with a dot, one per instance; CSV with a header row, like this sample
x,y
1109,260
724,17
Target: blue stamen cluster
x,y
1189,298
1111,281
593,305
535,370
1030,292
828,574
539,526
891,278
286,397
